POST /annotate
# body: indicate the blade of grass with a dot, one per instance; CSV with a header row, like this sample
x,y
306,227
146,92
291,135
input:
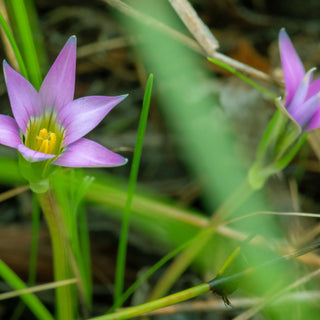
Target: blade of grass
x,y
28,46
33,303
139,310
38,37
122,249
14,46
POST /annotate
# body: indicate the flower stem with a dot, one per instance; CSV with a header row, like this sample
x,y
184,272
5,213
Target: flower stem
x,y
62,268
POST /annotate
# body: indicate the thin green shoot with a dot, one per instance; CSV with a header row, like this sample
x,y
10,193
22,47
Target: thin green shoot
x,y
244,78
132,312
28,46
33,303
122,249
14,46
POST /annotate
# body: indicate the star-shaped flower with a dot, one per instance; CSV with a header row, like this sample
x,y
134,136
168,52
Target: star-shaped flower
x,y
302,99
49,124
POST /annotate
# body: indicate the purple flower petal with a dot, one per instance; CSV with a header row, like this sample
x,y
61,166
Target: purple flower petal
x,y
32,155
300,96
57,88
9,132
292,66
87,153
315,121
314,88
82,115
307,110
24,99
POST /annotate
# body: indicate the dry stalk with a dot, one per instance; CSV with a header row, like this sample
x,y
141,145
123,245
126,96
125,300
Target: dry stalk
x,y
196,26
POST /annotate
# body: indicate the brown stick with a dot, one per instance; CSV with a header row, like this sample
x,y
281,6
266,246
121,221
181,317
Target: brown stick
x,y
199,30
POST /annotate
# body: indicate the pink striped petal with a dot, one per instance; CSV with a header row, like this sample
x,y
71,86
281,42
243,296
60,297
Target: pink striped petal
x,y
292,66
9,132
24,99
82,115
32,155
87,153
57,88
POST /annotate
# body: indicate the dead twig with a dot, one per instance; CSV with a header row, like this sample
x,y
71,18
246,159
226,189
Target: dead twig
x,y
199,30
13,192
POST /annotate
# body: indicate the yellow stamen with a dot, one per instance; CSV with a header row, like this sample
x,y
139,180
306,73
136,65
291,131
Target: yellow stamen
x,y
44,146
46,141
52,144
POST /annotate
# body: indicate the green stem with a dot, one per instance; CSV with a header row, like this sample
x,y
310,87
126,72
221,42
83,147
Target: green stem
x,y
180,264
157,304
64,294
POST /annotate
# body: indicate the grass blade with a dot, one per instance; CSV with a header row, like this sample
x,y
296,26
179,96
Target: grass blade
x,y
28,47
122,250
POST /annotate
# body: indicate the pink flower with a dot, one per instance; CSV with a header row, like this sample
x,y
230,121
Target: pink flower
x,y
302,98
49,124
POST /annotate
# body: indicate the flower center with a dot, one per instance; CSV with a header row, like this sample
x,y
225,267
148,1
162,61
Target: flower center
x,y
45,134
46,141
